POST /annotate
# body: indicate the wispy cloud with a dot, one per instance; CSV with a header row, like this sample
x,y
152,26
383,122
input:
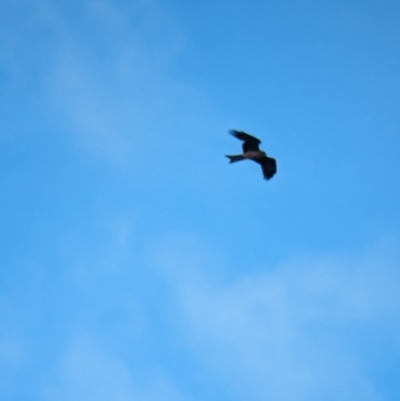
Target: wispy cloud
x,y
86,372
104,74
302,331
308,329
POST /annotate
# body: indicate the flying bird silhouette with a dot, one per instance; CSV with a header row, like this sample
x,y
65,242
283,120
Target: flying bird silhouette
x,y
251,151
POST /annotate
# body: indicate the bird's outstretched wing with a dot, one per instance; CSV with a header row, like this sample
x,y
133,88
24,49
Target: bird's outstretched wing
x,y
250,143
268,165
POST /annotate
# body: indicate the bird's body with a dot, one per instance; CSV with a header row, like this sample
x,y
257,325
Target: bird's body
x,y
251,151
254,155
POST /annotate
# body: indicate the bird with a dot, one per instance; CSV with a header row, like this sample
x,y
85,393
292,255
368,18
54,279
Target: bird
x,y
251,151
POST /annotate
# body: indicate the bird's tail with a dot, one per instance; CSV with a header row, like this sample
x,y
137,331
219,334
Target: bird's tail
x,y
235,158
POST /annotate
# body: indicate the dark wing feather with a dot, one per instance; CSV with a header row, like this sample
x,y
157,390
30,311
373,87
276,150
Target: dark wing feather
x,y
250,143
268,165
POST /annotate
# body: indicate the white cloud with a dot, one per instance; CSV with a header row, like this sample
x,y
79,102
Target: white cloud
x,y
301,331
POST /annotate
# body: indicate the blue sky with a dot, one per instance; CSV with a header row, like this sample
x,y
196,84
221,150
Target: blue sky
x,y
136,263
